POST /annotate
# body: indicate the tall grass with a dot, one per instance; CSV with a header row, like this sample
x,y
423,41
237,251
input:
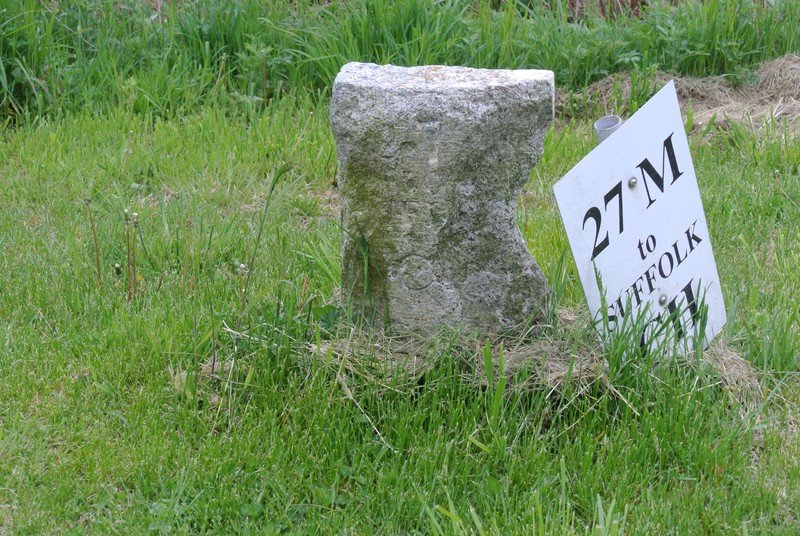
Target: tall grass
x,y
65,56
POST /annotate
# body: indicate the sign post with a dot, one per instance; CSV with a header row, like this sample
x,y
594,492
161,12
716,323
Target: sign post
x,y
636,227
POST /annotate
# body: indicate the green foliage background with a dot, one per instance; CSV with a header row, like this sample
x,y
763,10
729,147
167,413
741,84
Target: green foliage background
x,y
63,56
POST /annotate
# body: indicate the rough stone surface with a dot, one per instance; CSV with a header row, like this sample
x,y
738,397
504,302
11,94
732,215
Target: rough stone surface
x,y
431,162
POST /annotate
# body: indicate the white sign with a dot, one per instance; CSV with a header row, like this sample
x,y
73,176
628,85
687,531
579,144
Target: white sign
x,y
636,226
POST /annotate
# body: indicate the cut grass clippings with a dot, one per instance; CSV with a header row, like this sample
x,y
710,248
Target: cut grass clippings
x,y
569,354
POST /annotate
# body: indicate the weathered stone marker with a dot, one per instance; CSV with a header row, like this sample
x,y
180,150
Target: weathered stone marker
x,y
431,162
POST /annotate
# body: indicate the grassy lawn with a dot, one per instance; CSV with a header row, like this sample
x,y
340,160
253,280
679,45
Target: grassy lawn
x,y
189,398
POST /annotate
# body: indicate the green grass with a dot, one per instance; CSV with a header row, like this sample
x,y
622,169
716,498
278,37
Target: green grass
x,y
209,121
98,435
58,58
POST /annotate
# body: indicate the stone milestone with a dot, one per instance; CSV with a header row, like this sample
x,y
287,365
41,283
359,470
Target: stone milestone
x,y
431,162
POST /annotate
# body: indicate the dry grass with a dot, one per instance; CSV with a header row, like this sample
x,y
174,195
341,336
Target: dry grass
x,y
774,93
568,355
